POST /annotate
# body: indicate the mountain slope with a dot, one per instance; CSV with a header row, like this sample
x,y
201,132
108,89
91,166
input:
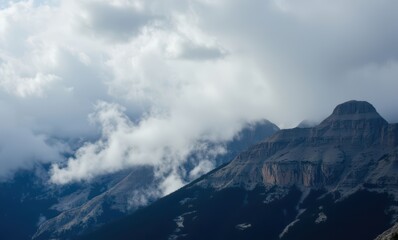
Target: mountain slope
x,y
390,234
337,180
120,198
28,200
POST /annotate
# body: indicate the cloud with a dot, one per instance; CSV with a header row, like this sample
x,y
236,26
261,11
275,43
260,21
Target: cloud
x,y
202,168
20,147
142,197
112,20
165,80
24,86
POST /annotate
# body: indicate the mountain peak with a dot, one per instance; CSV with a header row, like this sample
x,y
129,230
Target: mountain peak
x,y
356,112
354,107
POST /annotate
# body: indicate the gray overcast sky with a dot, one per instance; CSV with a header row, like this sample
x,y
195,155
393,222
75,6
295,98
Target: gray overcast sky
x,y
149,81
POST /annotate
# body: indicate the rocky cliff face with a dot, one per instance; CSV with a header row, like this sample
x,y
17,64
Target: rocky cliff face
x,y
345,150
341,151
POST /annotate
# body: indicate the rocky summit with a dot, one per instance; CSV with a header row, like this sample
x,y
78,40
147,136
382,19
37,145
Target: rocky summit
x,y
347,149
336,180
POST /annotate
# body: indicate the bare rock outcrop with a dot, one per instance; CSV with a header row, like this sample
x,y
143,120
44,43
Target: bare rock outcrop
x,y
353,146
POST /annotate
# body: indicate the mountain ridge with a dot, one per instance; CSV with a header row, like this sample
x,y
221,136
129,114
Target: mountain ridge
x,y
115,201
337,180
324,144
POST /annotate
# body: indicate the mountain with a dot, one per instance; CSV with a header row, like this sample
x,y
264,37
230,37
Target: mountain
x,y
45,211
28,199
102,208
390,234
117,200
337,180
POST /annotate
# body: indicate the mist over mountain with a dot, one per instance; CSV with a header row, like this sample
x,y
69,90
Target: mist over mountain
x,y
164,77
337,180
43,210
108,105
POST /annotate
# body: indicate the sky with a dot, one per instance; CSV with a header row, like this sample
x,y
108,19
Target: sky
x,y
122,83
